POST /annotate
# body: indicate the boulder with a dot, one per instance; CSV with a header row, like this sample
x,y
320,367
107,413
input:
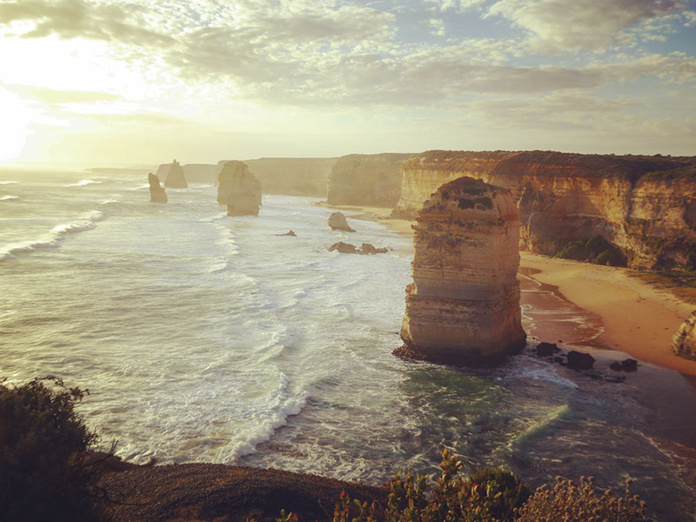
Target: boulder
x,y
289,233
547,349
616,366
239,190
463,307
629,365
157,193
684,341
343,248
337,221
367,248
580,360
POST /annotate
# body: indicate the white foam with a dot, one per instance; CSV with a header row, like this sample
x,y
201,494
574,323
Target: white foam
x,y
9,198
53,238
9,182
531,368
84,183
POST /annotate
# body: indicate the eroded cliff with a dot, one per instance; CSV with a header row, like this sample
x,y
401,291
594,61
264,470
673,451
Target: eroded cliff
x,y
643,205
366,179
464,304
239,190
684,342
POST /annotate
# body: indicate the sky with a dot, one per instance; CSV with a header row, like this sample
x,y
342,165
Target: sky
x,y
117,82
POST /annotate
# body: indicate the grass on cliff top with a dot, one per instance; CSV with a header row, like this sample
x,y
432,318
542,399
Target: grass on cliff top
x,y
681,284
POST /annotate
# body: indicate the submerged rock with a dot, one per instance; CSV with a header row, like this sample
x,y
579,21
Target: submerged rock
x,y
239,190
290,233
337,221
157,193
343,248
463,307
684,341
547,349
580,361
175,176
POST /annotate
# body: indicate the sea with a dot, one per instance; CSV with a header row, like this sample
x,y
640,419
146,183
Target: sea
x,y
208,338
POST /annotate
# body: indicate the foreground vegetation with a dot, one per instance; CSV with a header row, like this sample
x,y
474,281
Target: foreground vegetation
x,y
45,475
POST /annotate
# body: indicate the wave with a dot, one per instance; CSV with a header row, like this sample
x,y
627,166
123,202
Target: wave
x,y
9,182
10,198
54,237
85,182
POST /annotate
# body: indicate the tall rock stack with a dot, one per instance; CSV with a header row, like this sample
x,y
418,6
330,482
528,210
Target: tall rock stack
x,y
157,193
239,190
463,307
175,177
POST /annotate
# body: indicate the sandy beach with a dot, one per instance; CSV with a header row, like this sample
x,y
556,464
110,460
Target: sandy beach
x,y
636,318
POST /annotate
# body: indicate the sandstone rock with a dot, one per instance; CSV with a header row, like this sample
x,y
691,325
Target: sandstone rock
x,y
370,249
239,190
157,193
684,341
343,248
175,176
464,305
289,233
643,207
580,360
337,221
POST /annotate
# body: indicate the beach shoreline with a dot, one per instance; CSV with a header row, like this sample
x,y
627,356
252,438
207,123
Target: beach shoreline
x,y
636,317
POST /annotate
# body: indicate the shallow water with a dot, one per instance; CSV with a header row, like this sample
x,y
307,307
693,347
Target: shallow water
x,y
204,337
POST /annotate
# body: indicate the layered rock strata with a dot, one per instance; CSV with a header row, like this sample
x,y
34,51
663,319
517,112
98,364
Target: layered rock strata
x,y
291,176
643,205
366,179
175,176
239,190
463,307
157,193
684,342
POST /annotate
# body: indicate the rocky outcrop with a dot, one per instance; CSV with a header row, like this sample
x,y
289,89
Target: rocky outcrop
x,y
337,221
365,249
464,304
291,176
239,190
157,193
193,172
366,179
684,341
644,206
175,176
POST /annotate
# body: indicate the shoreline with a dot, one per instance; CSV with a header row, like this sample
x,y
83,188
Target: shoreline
x,y
636,317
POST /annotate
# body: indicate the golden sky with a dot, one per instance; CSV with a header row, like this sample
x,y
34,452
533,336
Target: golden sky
x,y
202,80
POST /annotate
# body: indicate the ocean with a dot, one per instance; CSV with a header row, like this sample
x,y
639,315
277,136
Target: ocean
x,y
208,338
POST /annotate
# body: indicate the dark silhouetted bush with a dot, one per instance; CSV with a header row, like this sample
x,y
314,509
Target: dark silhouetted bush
x,y
42,448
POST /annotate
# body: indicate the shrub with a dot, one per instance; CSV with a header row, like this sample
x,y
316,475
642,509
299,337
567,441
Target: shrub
x,y
566,501
42,448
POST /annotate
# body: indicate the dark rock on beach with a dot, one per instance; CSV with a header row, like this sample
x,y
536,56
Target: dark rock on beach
x,y
547,349
580,360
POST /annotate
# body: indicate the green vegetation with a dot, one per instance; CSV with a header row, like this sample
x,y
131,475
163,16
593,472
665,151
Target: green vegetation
x,y
43,443
594,250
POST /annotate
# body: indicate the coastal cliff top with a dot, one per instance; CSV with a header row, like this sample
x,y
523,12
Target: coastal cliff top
x,y
549,162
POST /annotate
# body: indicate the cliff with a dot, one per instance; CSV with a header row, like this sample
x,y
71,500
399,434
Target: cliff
x,y
464,304
684,342
175,176
372,180
239,190
291,176
644,206
157,193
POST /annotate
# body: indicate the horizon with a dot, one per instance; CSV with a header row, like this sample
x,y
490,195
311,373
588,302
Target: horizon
x,y
114,83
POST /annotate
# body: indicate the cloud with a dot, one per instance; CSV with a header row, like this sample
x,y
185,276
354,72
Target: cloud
x,y
82,19
562,25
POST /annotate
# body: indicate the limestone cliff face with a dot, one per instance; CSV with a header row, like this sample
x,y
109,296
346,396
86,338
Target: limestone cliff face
x,y
366,179
684,342
239,190
646,206
157,193
291,176
464,304
175,176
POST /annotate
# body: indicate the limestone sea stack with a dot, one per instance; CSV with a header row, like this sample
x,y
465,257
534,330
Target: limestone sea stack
x,y
239,190
157,193
175,177
463,307
684,341
337,221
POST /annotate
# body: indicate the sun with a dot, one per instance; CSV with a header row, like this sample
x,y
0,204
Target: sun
x,y
14,124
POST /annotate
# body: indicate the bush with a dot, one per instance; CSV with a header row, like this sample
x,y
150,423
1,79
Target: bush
x,y
566,501
488,495
42,448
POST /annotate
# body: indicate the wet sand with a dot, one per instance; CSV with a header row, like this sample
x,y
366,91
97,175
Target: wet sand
x,y
628,314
